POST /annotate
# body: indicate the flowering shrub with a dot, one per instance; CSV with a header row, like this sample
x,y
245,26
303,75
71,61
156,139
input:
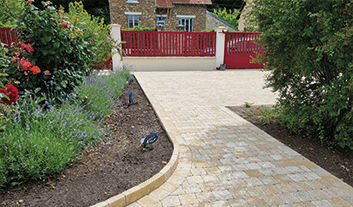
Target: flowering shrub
x,y
53,45
94,31
11,92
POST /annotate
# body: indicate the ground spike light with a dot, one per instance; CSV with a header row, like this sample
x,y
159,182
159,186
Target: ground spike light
x,y
150,139
130,81
131,101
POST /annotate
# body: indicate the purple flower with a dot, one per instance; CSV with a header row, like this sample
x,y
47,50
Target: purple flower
x,y
20,147
46,149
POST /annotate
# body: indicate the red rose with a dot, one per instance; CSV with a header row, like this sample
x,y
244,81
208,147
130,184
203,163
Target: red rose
x,y
63,24
61,11
91,41
35,70
47,72
11,92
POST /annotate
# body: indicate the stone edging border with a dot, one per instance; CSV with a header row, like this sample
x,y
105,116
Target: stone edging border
x,y
137,192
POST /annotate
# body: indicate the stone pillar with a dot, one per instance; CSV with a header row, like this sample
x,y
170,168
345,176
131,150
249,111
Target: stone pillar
x,y
116,35
220,42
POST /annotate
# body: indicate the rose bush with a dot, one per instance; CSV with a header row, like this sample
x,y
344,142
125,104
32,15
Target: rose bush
x,y
50,43
12,94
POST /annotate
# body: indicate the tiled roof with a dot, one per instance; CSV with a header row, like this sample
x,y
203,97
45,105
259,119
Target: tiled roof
x,y
192,1
164,3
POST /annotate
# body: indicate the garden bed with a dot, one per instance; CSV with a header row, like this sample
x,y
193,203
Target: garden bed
x,y
116,165
338,162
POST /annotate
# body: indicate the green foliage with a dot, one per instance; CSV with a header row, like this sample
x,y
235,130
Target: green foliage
x,y
93,28
228,4
9,12
211,30
309,48
267,114
59,48
137,28
40,140
97,8
230,16
247,104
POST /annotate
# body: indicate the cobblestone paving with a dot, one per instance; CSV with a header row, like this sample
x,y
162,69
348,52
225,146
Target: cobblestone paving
x,y
224,160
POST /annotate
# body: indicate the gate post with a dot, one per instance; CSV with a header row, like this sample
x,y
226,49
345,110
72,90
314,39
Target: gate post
x,y
116,35
220,43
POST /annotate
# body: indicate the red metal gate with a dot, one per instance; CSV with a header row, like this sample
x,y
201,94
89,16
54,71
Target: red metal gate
x,y
240,48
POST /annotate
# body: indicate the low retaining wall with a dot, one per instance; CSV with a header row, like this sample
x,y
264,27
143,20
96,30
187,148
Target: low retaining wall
x,y
170,63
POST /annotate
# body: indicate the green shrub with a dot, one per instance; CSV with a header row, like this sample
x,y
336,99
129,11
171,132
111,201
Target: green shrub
x,y
56,47
93,28
137,28
211,30
309,48
230,16
10,11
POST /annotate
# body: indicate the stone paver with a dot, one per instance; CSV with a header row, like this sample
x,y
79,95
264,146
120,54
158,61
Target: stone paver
x,y
223,159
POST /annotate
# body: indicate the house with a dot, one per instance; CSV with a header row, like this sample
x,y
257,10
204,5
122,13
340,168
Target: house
x,y
150,13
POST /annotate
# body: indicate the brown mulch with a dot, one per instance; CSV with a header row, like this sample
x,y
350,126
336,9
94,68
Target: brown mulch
x,y
116,165
335,161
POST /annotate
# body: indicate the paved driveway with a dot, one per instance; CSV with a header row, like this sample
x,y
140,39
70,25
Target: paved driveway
x,y
224,160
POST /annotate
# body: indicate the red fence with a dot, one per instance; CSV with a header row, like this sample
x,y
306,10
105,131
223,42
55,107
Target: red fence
x,y
152,43
8,35
240,48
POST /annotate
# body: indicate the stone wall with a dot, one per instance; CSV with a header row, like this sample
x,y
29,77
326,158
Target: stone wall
x,y
146,7
199,22
148,16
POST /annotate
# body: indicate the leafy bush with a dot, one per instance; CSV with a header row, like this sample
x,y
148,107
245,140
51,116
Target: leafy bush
x,y
55,46
308,47
137,28
230,16
40,139
93,30
9,12
211,30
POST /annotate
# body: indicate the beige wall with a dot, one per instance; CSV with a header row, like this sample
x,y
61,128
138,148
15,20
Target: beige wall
x,y
242,23
170,63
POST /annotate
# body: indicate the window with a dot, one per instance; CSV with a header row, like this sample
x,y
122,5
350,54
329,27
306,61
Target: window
x,y
132,1
161,20
187,21
133,21
187,24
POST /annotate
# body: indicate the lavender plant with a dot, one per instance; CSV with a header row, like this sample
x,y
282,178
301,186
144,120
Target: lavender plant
x,y
41,139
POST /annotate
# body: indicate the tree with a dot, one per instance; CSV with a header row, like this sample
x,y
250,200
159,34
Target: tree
x,y
97,8
308,49
228,4
230,17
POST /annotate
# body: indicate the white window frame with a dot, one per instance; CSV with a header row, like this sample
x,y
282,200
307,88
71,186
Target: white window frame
x,y
161,21
132,1
133,15
188,19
